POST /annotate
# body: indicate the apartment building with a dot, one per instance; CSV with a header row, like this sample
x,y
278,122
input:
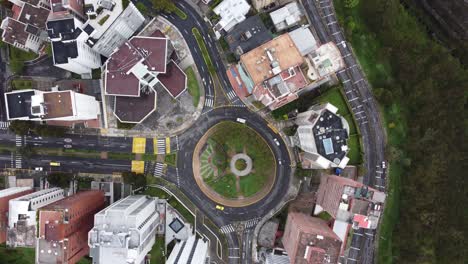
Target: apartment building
x,y
191,251
5,196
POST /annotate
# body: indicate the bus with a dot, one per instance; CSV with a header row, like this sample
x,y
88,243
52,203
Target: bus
x,y
55,164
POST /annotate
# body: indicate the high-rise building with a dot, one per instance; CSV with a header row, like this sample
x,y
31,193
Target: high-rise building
x,y
308,240
64,227
5,196
22,220
38,105
125,231
191,251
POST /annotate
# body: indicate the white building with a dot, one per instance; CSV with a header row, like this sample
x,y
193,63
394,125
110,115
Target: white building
x,y
287,16
191,251
322,136
119,24
232,12
38,105
125,231
22,219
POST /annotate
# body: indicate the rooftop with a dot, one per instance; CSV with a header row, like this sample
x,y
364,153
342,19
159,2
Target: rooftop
x,y
36,16
287,16
247,35
174,79
327,59
19,104
271,58
58,104
231,12
135,109
13,190
14,31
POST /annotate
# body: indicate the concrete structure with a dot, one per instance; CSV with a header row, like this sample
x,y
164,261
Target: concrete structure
x,y
247,35
38,105
113,191
26,28
261,5
5,196
191,251
322,136
287,16
231,13
109,24
350,203
125,231
308,240
136,70
64,227
22,216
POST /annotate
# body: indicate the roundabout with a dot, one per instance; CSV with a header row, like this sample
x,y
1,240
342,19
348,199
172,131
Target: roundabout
x,y
233,165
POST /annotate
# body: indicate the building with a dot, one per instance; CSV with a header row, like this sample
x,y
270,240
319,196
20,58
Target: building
x,y
231,13
5,196
64,227
136,71
191,251
261,5
247,35
109,24
38,105
22,221
322,136
308,240
350,203
81,32
25,29
286,17
69,49
125,231
113,191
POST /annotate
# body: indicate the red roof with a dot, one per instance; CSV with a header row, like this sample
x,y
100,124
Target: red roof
x,y
154,50
174,80
134,109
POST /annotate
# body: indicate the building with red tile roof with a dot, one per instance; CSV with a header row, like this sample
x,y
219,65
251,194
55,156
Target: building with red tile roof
x,y
26,28
135,71
309,240
64,227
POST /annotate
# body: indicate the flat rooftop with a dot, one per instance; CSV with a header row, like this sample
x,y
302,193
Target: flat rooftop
x,y
58,104
283,51
134,109
14,31
174,80
330,136
36,16
19,104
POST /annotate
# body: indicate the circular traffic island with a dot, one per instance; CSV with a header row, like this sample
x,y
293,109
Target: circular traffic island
x,y
233,165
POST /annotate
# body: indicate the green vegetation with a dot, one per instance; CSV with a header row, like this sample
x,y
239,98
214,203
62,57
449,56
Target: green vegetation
x,y
121,155
23,127
48,50
204,51
224,44
164,6
240,164
21,84
324,216
422,89
171,159
96,74
158,251
103,20
228,139
193,86
156,192
125,3
16,255
18,57
122,125
137,180
60,179
142,8
180,13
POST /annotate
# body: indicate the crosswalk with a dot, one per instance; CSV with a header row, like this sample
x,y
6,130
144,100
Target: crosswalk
x,y
227,229
231,95
161,144
17,157
209,102
4,125
158,169
252,222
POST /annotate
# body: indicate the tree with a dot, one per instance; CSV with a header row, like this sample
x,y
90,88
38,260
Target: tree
x,y
164,6
20,127
136,179
16,66
59,179
142,8
50,131
27,151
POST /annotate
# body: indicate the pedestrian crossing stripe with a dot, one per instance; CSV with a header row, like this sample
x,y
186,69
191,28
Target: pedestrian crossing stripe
x,y
227,229
168,145
4,125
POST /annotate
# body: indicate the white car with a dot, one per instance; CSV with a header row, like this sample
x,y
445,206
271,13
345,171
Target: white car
x,y
68,140
241,120
276,141
67,146
384,165
38,169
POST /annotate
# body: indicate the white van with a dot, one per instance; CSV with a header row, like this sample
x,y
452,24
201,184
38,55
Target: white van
x,y
241,120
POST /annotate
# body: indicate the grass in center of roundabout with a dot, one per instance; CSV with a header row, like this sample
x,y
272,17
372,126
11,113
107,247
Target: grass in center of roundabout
x,y
226,140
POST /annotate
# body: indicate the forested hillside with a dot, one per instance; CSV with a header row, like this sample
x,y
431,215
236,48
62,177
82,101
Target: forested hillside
x,y
423,92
